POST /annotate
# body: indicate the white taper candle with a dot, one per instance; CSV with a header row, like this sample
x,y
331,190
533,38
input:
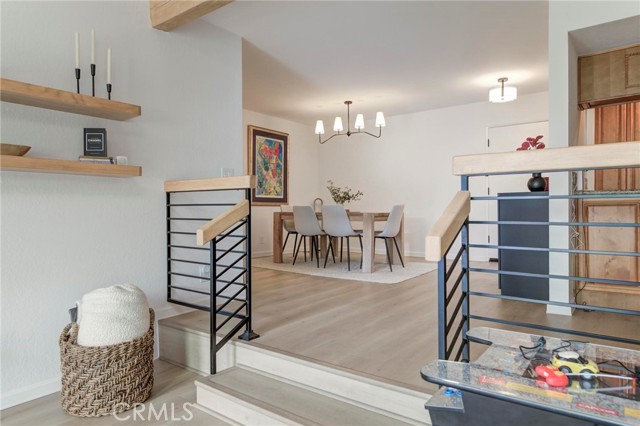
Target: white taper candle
x,y
77,49
93,47
109,66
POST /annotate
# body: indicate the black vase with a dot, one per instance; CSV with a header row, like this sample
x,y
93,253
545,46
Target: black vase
x,y
536,183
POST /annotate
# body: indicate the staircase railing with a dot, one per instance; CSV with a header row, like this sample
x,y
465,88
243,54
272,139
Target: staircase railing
x,y
454,290
227,266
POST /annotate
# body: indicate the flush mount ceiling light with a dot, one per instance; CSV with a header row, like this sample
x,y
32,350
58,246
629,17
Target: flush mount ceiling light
x,y
358,125
502,93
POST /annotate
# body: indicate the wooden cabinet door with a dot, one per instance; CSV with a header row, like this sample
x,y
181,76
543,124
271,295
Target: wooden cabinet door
x,y
621,239
618,123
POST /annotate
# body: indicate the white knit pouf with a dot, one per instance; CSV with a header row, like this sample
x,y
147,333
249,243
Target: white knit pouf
x,y
111,315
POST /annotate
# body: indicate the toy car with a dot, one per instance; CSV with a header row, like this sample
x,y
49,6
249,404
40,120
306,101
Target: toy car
x,y
552,375
570,362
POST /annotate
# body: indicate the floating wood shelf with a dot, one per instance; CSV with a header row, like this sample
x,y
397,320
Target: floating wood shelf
x,y
59,100
48,165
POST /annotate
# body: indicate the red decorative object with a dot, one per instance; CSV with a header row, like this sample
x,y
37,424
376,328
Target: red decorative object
x,y
531,143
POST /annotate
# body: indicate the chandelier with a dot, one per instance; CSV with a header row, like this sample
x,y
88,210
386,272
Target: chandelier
x,y
503,94
358,125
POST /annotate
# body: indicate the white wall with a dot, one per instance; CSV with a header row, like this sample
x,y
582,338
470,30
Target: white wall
x,y
303,175
411,163
64,235
564,17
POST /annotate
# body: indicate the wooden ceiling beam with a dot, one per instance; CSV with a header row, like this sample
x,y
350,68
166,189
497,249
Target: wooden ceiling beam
x,y
167,15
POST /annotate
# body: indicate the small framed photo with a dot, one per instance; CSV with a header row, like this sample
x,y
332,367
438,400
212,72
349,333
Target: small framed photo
x,y
269,161
95,142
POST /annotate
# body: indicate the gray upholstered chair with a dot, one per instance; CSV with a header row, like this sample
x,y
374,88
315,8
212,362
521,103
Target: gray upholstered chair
x,y
391,229
290,227
306,223
336,223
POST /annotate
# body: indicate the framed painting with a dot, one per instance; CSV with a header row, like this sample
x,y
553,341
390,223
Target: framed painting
x,y
269,161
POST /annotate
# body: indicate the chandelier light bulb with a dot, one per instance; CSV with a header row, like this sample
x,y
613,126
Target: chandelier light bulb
x,y
380,119
359,125
319,127
337,125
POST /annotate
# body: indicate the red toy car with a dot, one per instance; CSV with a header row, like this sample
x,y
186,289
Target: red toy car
x,y
552,375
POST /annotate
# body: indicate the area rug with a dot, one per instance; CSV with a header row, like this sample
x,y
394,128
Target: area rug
x,y
380,275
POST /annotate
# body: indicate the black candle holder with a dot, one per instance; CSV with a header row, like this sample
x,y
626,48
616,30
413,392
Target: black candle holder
x,y
93,79
78,80
109,90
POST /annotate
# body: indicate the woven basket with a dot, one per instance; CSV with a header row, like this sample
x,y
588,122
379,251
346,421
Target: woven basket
x,y
103,380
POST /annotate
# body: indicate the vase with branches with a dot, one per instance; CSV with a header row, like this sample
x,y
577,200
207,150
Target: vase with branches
x,y
343,195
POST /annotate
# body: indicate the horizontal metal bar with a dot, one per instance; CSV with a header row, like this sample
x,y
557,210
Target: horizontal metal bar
x,y
454,263
191,218
208,190
559,277
557,330
525,222
232,251
198,277
198,205
190,290
230,334
189,305
232,314
233,267
189,247
551,302
181,233
189,261
227,297
555,250
554,197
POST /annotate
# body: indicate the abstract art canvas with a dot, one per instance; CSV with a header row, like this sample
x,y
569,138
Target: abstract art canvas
x,y
269,161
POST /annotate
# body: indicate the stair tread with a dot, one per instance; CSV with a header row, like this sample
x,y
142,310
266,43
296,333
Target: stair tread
x,y
289,398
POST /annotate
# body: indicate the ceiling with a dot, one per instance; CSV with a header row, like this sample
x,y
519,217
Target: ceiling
x,y
303,59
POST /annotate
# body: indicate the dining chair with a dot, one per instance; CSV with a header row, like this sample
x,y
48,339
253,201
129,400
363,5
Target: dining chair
x,y
290,227
306,223
391,229
336,224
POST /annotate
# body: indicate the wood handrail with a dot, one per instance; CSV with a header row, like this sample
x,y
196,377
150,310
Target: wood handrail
x,y
217,226
211,184
444,231
601,156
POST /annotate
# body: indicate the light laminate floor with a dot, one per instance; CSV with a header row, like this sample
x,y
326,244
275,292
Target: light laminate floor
x,y
389,331
381,330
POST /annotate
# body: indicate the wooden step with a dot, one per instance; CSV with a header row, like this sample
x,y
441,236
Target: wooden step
x,y
184,340
389,398
249,397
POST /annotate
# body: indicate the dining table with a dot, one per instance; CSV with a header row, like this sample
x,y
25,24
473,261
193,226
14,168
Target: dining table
x,y
361,220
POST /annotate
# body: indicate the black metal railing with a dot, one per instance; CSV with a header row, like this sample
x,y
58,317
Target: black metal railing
x,y
454,284
214,279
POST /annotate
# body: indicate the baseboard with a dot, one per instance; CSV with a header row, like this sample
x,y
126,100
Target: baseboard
x,y
29,393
